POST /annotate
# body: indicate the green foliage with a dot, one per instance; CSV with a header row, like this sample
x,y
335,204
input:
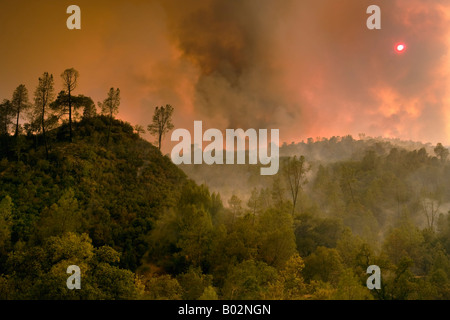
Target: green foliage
x,y
5,221
195,228
195,284
209,294
277,239
406,241
63,216
311,231
324,264
249,281
162,287
351,288
40,272
290,284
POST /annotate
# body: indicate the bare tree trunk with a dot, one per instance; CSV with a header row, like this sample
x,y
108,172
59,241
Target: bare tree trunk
x,y
431,211
109,130
17,123
17,134
159,141
43,131
70,117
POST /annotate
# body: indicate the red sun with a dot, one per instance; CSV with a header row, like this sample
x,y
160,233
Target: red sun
x,y
400,47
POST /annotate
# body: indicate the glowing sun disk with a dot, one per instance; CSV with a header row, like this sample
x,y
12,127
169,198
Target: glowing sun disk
x,y
400,47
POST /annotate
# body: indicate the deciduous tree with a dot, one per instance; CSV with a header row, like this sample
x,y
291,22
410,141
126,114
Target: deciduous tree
x,y
295,170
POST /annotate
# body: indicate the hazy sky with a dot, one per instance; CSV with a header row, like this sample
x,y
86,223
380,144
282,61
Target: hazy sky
x,y
307,67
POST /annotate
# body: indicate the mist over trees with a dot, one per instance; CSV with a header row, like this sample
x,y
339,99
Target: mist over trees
x,y
295,171
376,201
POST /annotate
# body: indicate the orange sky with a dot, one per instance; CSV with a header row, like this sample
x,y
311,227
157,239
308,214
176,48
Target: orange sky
x,y
309,68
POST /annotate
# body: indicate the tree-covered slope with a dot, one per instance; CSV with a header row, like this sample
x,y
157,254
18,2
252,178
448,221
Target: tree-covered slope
x,y
111,192
118,189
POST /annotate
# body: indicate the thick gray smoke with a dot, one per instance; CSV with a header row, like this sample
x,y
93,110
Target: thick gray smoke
x,y
313,68
309,68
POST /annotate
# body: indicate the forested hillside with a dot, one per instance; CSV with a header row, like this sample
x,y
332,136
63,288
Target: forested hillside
x,y
108,201
86,199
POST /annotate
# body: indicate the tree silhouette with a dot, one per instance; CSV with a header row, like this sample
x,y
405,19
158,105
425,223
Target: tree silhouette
x,y
42,98
70,78
139,129
88,105
20,103
162,122
110,107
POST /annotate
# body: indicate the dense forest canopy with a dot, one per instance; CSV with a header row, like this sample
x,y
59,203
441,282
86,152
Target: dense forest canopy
x,y
90,191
